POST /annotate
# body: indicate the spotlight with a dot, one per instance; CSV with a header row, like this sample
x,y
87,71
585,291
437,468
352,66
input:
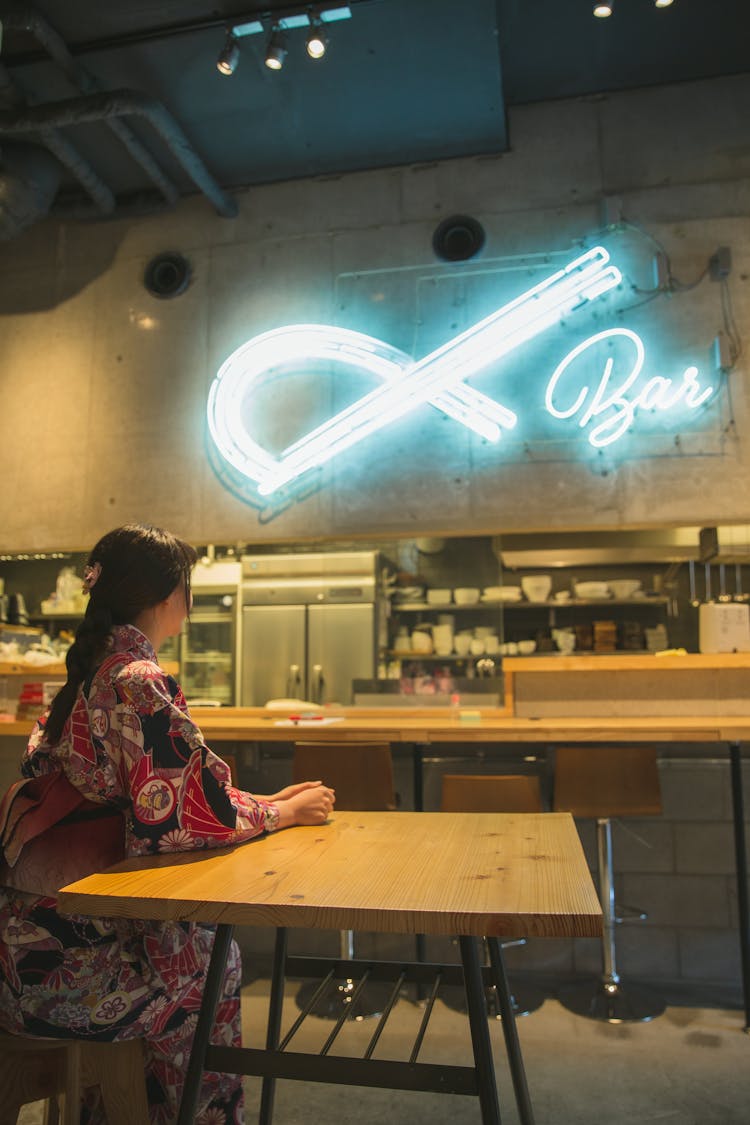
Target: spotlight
x,y
276,50
316,41
601,11
663,3
229,55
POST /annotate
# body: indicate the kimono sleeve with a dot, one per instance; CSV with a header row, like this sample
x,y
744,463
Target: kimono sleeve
x,y
181,792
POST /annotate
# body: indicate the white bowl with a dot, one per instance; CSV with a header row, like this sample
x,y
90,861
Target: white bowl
x,y
462,644
525,648
466,595
536,587
592,590
439,597
624,587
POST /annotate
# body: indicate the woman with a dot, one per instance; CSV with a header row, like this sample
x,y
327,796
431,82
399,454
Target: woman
x,y
118,761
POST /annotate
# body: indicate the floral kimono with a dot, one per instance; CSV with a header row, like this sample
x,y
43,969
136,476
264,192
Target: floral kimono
x,y
130,745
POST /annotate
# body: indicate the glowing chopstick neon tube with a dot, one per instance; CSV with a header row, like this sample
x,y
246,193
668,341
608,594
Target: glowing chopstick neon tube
x,y
454,362
437,378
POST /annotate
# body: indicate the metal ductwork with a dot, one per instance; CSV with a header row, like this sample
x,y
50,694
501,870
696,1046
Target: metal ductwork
x,y
728,544
597,548
44,122
29,179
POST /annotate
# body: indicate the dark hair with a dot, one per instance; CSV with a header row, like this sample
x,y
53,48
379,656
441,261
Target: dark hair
x,y
140,567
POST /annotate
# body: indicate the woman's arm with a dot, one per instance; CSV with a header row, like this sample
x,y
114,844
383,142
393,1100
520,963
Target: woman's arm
x,y
181,792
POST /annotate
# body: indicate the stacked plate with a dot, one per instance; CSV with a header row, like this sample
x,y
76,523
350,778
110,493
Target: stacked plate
x,y
591,590
501,594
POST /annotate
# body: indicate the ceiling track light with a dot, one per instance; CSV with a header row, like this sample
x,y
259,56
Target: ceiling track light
x,y
229,55
316,42
663,3
276,50
602,10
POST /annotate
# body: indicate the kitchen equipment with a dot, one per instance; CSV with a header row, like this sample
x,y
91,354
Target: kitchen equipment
x,y
462,643
526,648
536,587
466,595
208,644
310,624
723,627
565,639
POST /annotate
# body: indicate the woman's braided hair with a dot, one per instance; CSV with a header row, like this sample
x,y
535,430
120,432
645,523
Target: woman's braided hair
x,y
140,567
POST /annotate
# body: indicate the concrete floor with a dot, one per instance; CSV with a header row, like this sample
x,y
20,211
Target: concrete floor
x,y
691,1066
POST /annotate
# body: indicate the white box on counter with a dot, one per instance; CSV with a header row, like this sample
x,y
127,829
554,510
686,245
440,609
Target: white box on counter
x,y
724,627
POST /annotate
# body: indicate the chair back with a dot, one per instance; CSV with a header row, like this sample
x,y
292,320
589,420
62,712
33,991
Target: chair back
x,y
360,772
511,793
607,781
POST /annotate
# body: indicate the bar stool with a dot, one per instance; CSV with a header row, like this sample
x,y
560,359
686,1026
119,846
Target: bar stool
x,y
58,1070
604,782
480,793
362,775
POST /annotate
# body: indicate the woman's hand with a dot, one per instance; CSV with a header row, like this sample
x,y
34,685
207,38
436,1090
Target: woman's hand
x,y
291,791
311,804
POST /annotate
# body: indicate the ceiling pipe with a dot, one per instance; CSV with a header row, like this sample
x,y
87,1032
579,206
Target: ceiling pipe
x,y
23,19
67,154
123,103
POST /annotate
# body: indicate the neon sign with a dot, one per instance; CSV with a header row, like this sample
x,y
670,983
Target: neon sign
x,y
615,399
438,379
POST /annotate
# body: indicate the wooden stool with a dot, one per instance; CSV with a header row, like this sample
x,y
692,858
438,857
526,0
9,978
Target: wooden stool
x,y
603,782
58,1070
505,793
362,775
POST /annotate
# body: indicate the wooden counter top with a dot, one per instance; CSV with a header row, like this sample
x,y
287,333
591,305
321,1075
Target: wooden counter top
x,y
434,725
627,662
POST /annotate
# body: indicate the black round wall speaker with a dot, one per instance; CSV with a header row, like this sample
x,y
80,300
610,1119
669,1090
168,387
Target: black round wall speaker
x,y
167,275
458,238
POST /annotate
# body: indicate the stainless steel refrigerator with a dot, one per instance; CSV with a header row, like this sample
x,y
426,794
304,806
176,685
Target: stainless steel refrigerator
x,y
309,625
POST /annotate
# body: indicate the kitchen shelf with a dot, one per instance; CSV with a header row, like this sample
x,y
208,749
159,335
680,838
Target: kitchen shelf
x,y
592,603
207,658
395,654
597,603
416,607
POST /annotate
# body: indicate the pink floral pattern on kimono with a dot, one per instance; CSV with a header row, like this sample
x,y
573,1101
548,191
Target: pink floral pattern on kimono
x,y
130,742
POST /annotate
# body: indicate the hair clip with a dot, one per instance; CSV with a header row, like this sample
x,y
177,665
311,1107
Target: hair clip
x,y
91,576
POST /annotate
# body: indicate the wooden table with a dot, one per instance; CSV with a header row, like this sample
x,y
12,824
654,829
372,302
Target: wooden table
x,y
494,875
433,726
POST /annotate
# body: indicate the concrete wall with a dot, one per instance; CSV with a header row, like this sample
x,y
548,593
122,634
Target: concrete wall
x,y
103,388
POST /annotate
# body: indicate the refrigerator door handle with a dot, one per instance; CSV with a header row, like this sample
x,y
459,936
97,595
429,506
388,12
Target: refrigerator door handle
x,y
294,682
317,683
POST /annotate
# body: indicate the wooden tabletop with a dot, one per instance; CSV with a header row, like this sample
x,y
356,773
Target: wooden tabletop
x,y
434,873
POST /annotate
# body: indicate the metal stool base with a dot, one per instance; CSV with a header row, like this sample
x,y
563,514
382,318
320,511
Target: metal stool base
x,y
612,1003
524,1002
369,1004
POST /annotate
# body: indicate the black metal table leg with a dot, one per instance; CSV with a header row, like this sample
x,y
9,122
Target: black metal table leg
x,y
206,1017
273,1032
480,1036
510,1031
740,846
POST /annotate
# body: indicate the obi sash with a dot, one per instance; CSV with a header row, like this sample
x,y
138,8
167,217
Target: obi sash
x,y
51,835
